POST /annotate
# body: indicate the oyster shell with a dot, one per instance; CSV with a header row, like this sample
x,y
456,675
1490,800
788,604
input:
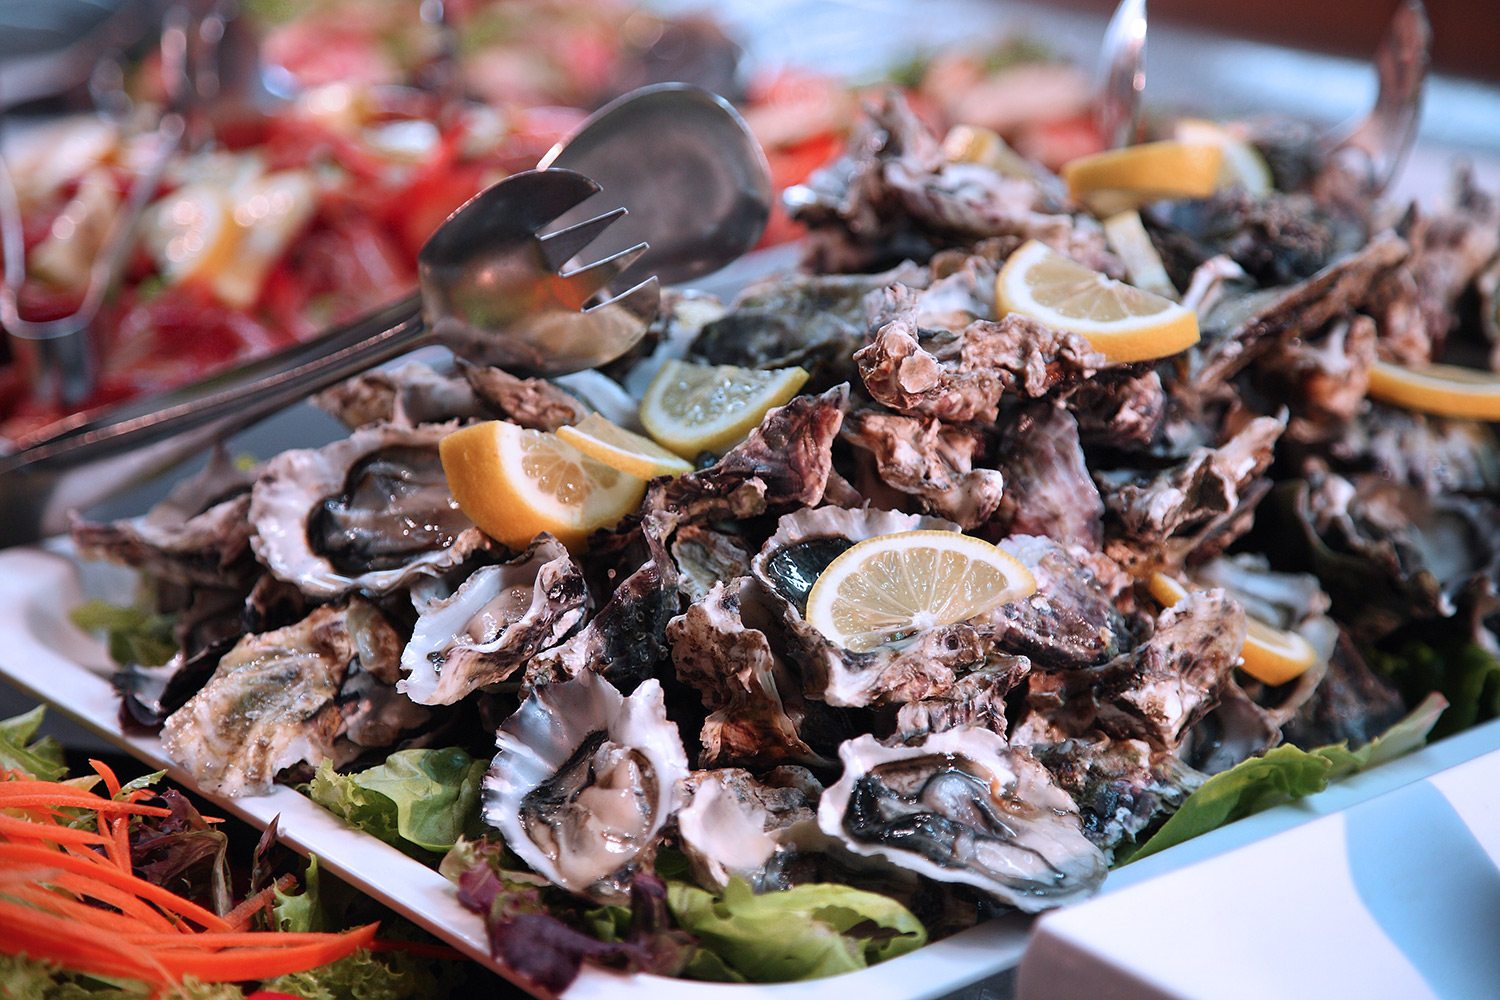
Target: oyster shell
x,y
584,782
370,512
976,699
198,535
414,393
499,617
1071,621
789,564
932,461
276,700
963,806
734,825
704,557
756,709
1049,489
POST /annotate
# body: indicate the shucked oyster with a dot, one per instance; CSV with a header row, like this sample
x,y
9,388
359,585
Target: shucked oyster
x,y
370,512
498,618
789,564
962,806
277,700
584,782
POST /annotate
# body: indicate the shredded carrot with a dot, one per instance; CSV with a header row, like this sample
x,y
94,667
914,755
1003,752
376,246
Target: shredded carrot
x,y
64,900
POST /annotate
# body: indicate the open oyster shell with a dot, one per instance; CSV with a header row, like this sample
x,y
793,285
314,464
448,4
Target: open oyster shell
x,y
499,618
788,565
370,512
736,826
279,699
962,806
584,781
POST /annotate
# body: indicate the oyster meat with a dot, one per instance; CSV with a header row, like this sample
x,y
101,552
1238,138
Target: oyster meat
x,y
734,825
963,806
584,782
499,618
371,512
274,701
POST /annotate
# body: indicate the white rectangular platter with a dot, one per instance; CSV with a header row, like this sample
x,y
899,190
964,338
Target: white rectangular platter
x,y
47,657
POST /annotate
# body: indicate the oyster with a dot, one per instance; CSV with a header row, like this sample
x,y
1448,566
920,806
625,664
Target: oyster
x,y
414,393
704,557
755,706
960,375
1071,621
371,512
198,535
785,462
932,461
963,806
789,564
584,782
734,825
530,402
1050,492
976,699
498,618
275,700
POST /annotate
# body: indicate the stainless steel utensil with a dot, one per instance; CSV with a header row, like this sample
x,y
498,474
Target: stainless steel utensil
x,y
1121,74
1388,132
686,165
493,289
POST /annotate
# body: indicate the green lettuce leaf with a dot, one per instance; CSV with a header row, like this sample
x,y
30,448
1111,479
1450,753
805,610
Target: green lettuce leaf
x,y
1284,774
422,798
134,635
23,978
806,932
41,759
362,976
1467,674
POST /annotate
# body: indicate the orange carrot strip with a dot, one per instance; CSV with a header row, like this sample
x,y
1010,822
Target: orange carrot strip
x,y
266,963
13,826
73,945
209,941
25,853
64,800
126,902
67,906
111,783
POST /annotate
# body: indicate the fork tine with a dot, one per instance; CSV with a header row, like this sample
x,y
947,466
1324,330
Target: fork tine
x,y
641,301
562,246
596,277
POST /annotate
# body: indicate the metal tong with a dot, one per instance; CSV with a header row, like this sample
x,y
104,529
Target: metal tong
x,y
493,289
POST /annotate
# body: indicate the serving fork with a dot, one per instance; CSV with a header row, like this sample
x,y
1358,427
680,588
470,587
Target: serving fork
x,y
493,288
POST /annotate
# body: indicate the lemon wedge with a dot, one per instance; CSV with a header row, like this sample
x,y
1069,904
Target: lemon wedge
x,y
515,483
1270,655
1129,240
1243,165
1441,390
696,408
977,144
620,449
1121,321
894,585
1133,176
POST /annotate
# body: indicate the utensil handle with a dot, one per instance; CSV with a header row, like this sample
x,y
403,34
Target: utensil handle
x,y
96,459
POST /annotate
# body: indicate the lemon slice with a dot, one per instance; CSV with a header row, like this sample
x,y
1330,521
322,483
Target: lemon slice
x,y
1135,175
515,483
1270,655
977,144
1129,240
1121,321
191,232
1442,390
621,449
891,586
696,408
1243,165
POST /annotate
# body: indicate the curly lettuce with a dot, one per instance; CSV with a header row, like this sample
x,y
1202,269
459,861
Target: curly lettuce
x,y
418,798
